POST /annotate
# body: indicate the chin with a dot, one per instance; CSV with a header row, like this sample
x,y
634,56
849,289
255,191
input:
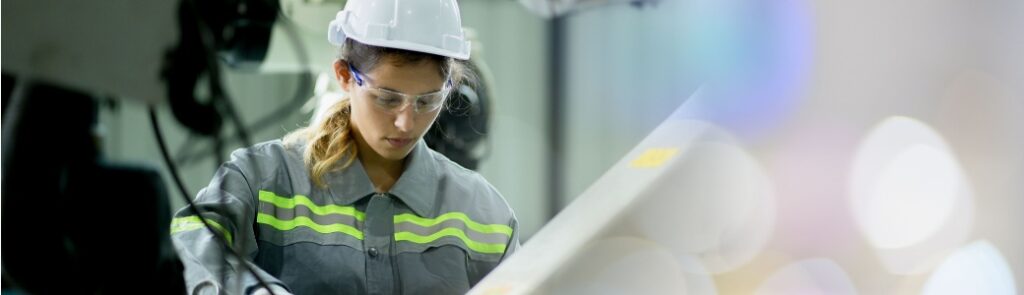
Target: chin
x,y
393,154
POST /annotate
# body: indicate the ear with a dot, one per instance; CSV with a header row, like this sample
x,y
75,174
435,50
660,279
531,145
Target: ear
x,y
342,74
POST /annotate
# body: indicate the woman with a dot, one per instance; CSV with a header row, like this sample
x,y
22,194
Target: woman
x,y
356,203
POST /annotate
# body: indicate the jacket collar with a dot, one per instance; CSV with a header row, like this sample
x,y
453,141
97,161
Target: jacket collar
x,y
417,187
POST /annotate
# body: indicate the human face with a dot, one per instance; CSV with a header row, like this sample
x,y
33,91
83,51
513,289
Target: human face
x,y
391,133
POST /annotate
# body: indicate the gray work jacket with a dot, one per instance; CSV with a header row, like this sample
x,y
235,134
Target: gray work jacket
x,y
439,230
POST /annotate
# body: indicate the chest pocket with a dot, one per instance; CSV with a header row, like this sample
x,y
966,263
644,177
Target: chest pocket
x,y
441,255
436,270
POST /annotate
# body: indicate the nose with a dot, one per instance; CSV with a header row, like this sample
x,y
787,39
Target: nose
x,y
404,119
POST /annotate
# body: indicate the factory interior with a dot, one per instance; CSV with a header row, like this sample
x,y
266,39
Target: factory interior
x,y
644,146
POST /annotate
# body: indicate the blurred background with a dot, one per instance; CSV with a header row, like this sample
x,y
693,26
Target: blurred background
x,y
840,147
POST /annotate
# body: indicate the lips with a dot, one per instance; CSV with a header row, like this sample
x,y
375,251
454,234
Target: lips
x,y
399,142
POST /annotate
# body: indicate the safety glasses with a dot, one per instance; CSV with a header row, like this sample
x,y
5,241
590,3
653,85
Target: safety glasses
x,y
396,102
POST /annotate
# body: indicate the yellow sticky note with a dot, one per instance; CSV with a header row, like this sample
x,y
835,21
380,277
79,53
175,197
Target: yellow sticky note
x,y
653,157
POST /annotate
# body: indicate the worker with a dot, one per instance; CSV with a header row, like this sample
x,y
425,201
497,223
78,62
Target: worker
x,y
356,203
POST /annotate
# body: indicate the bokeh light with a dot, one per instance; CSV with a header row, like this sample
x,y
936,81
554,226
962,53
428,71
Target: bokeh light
x,y
978,268
754,56
908,195
716,203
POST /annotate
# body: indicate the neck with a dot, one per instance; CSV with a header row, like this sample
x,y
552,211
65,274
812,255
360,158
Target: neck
x,y
383,172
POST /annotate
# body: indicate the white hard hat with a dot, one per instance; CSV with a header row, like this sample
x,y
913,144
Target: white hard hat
x,y
431,26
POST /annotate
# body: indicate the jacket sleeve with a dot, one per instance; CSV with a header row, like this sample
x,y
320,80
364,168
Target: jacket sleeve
x,y
229,204
513,242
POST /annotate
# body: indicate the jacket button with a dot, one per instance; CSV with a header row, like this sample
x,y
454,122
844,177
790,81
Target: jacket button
x,y
372,252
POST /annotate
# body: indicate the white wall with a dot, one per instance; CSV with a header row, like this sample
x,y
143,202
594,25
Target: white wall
x,y
515,46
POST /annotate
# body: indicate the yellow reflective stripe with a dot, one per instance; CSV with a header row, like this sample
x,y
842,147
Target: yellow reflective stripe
x,y
305,221
428,222
289,203
188,223
451,232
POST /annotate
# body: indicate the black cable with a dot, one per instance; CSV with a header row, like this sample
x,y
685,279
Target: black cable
x,y
217,92
188,199
208,42
302,93
218,152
